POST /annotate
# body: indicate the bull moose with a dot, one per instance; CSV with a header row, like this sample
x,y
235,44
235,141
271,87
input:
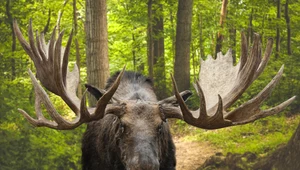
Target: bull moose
x,y
128,128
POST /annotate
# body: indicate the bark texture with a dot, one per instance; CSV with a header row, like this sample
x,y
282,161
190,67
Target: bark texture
x,y
96,44
182,46
222,21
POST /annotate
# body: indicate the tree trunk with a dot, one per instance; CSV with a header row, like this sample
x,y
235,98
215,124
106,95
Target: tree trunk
x,y
182,46
13,45
158,51
172,36
200,20
222,21
286,157
96,44
232,32
150,40
79,89
288,27
278,29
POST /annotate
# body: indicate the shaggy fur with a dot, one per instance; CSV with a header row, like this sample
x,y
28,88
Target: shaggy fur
x,y
101,148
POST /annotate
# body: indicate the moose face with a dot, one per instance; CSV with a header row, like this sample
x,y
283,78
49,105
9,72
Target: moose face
x,y
140,128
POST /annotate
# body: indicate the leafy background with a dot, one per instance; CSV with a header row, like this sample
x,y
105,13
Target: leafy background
x,y
25,147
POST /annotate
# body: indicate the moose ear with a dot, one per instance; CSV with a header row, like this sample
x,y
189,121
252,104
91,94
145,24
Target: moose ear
x,y
94,91
173,101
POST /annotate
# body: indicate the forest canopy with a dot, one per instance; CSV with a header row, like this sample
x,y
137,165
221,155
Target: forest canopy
x,y
25,147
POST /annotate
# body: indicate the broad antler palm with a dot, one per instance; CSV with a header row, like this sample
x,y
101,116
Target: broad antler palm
x,y
51,62
221,84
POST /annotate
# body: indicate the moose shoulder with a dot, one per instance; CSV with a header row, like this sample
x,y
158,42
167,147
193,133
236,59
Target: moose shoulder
x,y
128,128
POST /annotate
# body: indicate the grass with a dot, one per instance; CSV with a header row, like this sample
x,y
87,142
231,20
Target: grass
x,y
258,137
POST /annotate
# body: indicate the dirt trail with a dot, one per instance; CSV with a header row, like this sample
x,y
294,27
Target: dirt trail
x,y
190,155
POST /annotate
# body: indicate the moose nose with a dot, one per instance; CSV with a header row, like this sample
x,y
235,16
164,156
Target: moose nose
x,y
145,162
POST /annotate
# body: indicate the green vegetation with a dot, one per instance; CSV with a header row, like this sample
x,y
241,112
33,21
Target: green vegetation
x,y
260,137
25,147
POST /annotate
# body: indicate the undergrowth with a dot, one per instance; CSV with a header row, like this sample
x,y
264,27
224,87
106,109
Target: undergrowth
x,y
260,137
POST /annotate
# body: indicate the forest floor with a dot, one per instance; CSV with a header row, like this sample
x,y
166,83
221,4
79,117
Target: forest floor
x,y
191,154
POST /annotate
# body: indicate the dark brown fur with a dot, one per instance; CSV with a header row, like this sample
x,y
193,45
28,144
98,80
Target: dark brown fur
x,y
139,139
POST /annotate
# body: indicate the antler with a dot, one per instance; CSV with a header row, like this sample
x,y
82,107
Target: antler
x,y
51,62
221,84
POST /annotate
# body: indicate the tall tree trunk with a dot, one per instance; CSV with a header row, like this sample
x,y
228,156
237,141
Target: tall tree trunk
x,y
232,32
13,45
96,44
182,46
222,21
288,27
200,21
150,40
79,89
158,50
278,29
172,36
156,47
134,53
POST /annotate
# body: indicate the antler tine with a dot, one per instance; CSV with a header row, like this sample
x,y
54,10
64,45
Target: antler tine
x,y
66,58
265,60
248,111
23,42
187,115
246,75
42,97
104,100
40,47
265,113
220,78
200,117
31,42
51,63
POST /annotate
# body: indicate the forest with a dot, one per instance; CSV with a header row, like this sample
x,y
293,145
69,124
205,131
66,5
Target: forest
x,y
146,36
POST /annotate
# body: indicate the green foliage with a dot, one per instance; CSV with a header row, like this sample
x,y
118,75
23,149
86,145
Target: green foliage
x,y
25,147
259,137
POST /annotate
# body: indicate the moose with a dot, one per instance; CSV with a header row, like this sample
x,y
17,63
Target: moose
x,y
128,127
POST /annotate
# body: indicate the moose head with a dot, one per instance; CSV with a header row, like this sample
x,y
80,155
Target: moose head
x,y
128,129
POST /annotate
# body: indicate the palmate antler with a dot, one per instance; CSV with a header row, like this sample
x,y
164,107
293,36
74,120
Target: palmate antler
x,y
221,84
51,62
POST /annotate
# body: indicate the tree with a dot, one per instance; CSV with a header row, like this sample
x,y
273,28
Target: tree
x,y
222,21
278,28
96,44
150,46
288,27
13,46
182,45
79,90
156,61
